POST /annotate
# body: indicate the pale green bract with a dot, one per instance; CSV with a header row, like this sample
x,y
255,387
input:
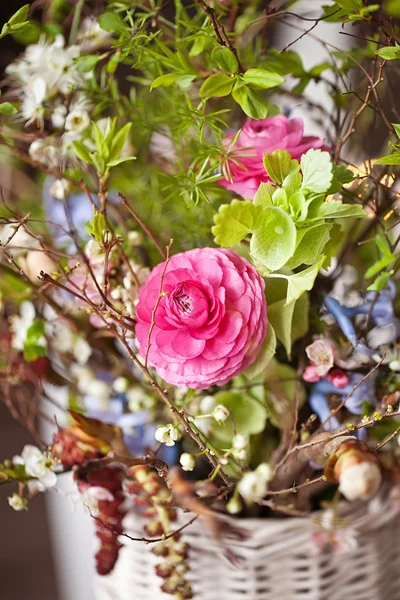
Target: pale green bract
x,y
274,241
316,167
234,221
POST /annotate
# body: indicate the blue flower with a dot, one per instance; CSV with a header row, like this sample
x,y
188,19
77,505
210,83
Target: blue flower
x,y
365,392
380,309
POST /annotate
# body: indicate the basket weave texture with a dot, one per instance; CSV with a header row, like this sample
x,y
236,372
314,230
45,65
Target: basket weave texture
x,y
278,560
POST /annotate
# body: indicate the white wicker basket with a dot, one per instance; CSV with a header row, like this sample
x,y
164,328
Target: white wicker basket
x,y
278,561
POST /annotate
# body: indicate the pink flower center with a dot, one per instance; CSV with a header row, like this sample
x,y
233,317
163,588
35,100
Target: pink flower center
x,y
189,302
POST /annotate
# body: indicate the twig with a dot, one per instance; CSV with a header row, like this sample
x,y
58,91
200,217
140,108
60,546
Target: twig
x,y
142,225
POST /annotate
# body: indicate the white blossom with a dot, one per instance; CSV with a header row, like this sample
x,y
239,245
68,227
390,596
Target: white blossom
x,y
120,385
38,465
45,152
138,399
166,434
58,116
17,502
240,442
60,189
234,506
254,484
188,461
19,325
77,120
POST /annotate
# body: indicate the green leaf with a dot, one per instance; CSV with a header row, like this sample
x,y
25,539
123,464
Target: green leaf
x,y
265,354
33,352
217,85
100,141
310,242
392,7
341,176
350,5
259,79
118,142
234,221
335,209
35,332
263,196
119,161
111,22
86,64
225,60
82,151
247,413
274,240
290,321
165,80
380,282
389,53
6,108
252,105
316,167
303,281
292,183
397,129
389,159
96,226
20,16
279,164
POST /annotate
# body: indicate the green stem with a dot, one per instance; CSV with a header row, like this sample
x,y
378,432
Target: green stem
x,y
75,22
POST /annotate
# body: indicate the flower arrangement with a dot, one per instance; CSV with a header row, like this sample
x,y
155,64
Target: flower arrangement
x,y
207,293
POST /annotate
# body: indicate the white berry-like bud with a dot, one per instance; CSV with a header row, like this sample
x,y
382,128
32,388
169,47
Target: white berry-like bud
x,y
120,385
188,461
240,454
239,442
252,487
166,434
394,365
360,481
135,238
234,506
265,471
220,413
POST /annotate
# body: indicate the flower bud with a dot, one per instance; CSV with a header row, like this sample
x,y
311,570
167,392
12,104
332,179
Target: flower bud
x,y
234,506
338,378
35,262
120,385
360,481
239,442
220,413
188,461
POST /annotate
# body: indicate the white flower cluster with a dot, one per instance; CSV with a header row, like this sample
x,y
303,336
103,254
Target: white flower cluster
x,y
254,484
38,465
20,324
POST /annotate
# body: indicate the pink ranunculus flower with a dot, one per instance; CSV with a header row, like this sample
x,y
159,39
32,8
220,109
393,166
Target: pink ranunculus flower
x,y
211,319
262,137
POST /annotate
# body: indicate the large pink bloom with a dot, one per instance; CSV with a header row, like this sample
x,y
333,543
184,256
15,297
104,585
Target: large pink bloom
x,y
262,137
210,323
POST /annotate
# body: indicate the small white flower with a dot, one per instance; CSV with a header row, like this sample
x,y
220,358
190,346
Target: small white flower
x,y
135,238
166,434
360,482
38,465
240,442
207,404
265,471
60,189
137,399
120,385
99,389
58,116
45,152
81,350
32,108
220,413
240,454
17,502
19,325
188,461
394,365
77,120
252,487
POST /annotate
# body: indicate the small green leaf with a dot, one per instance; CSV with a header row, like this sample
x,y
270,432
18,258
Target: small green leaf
x,y
119,161
82,151
96,226
265,354
303,281
100,142
389,53
259,79
310,243
234,221
6,108
86,64
279,164
35,332
118,142
252,105
264,193
33,351
389,159
165,80
217,85
380,282
225,60
397,129
335,209
292,183
274,240
20,16
341,176
111,22
316,167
